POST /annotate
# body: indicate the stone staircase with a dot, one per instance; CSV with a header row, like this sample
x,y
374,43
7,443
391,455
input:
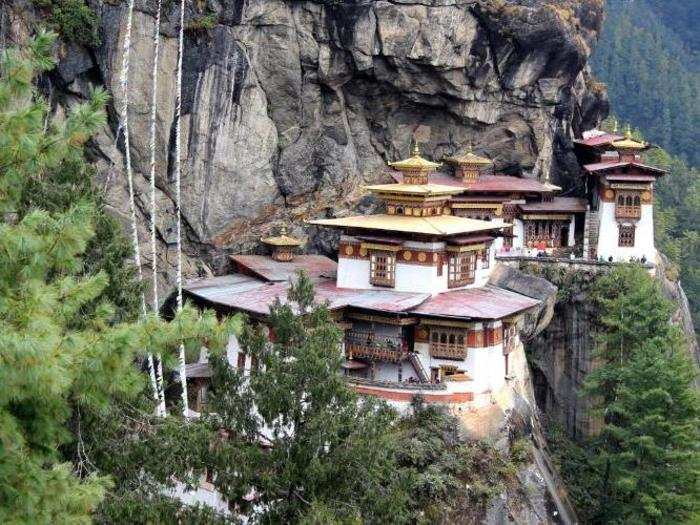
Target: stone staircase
x,y
591,230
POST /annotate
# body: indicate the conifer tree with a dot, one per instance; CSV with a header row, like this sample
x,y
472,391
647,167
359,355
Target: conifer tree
x,y
62,351
297,438
646,456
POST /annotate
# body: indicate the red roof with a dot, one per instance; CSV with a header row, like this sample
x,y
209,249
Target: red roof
x,y
604,166
251,295
268,269
255,296
558,204
599,140
488,302
487,183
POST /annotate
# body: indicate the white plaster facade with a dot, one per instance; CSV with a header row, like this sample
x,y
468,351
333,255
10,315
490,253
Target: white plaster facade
x,y
416,278
609,230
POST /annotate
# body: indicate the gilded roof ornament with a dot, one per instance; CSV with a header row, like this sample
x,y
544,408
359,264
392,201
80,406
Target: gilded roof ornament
x,y
469,158
628,142
415,162
282,239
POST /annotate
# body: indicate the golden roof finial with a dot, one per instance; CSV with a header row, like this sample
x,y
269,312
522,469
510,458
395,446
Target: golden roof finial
x,y
415,162
283,230
415,150
615,125
628,131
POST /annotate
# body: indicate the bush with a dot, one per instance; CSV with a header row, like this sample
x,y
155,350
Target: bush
x,y
74,20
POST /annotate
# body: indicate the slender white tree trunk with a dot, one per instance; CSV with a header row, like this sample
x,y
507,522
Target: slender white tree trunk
x,y
178,170
152,146
156,379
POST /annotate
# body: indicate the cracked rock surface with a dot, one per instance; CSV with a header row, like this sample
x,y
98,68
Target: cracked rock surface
x,y
290,106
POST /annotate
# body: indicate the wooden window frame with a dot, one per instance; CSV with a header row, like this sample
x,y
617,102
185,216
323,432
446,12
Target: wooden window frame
x,y
628,204
461,269
448,343
382,268
626,235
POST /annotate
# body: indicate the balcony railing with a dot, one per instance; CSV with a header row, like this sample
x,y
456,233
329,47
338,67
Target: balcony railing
x,y
376,347
448,351
628,212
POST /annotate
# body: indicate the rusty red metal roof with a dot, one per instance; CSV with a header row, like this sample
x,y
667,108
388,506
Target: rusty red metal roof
x,y
556,205
488,302
599,140
488,183
252,295
604,166
247,294
267,268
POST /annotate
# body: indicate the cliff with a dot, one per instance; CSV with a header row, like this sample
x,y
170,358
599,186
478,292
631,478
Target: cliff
x,y
290,106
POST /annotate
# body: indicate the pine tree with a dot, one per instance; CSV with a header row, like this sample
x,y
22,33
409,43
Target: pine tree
x,y
646,455
297,437
63,352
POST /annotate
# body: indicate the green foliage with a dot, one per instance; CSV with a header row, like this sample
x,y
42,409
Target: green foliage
x,y
203,23
313,452
64,355
74,20
643,465
651,69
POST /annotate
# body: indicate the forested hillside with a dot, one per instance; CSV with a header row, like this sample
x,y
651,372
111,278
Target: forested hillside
x,y
648,57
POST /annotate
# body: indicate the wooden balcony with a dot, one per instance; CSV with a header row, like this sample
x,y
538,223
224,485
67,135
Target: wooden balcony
x,y
448,351
368,345
628,212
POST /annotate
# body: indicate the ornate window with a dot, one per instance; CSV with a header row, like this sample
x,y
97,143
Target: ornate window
x,y
241,360
446,343
626,235
382,268
461,269
628,205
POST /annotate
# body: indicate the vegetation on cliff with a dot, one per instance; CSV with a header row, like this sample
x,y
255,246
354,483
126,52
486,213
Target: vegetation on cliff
x,y
643,464
648,57
63,350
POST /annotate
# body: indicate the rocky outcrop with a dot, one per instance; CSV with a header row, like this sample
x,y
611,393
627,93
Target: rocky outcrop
x,y
290,106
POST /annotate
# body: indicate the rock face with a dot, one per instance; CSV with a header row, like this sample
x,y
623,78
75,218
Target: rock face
x,y
290,106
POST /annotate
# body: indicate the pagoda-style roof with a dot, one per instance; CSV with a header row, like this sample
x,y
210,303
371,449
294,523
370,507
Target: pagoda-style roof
x,y
490,183
282,240
415,162
598,139
599,167
469,158
439,225
424,190
629,143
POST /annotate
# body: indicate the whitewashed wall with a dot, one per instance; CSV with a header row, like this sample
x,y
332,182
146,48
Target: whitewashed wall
x,y
608,235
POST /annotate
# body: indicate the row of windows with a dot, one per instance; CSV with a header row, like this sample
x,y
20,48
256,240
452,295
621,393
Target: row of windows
x,y
461,268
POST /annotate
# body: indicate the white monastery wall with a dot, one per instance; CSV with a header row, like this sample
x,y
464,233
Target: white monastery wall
x,y
643,236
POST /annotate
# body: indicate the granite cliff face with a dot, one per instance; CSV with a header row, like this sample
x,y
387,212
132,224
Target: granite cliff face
x,y
290,106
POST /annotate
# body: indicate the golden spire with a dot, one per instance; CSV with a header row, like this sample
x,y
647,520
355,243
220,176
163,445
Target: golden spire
x,y
415,162
629,143
615,125
282,239
469,158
